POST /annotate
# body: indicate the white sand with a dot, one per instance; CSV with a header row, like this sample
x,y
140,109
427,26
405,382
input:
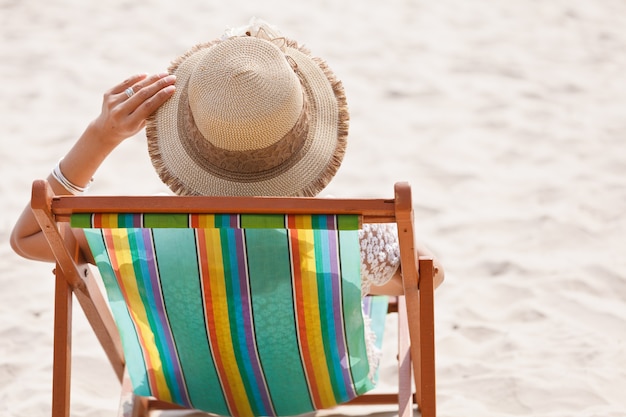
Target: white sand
x,y
508,118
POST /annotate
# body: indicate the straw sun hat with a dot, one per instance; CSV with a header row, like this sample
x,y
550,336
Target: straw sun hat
x,y
253,114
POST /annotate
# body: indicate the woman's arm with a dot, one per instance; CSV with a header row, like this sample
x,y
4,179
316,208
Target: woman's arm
x,y
121,117
394,285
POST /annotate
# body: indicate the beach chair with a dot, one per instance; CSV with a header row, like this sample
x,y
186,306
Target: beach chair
x,y
236,305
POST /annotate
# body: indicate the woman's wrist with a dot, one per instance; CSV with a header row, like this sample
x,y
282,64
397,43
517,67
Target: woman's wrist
x,y
67,184
103,138
74,172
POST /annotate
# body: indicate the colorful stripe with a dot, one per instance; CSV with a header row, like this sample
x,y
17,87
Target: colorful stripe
x,y
131,253
132,349
229,321
328,256
317,293
238,321
215,221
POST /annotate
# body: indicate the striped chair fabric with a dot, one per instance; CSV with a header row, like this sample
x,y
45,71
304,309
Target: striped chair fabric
x,y
242,315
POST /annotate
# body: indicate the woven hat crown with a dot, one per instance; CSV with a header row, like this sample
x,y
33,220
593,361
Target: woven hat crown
x,y
253,113
244,94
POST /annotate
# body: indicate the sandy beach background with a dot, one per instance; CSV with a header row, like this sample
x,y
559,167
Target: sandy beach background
x,y
507,117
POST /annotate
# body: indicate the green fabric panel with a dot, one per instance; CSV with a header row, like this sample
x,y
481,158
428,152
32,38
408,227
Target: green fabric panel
x,y
132,348
353,316
348,222
180,283
166,220
272,301
262,221
80,220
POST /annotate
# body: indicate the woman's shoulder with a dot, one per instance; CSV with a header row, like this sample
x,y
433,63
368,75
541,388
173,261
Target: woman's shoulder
x,y
380,253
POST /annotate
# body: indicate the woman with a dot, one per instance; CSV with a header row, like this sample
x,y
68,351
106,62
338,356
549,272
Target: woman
x,y
249,114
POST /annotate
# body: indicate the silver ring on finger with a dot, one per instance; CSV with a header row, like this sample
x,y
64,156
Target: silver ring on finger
x,y
129,92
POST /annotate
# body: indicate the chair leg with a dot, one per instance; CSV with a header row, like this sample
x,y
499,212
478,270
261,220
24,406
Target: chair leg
x,y
424,366
61,367
405,383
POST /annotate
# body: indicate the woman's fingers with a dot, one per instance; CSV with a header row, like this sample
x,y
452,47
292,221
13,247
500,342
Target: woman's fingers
x,y
126,93
129,82
124,113
149,94
153,101
142,83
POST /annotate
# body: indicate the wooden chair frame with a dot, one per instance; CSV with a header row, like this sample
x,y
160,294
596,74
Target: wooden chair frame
x,y
416,333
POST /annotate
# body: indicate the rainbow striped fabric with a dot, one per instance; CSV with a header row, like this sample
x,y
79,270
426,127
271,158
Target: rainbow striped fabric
x,y
238,315
215,221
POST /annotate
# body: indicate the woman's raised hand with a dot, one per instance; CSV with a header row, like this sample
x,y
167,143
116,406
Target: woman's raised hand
x,y
126,106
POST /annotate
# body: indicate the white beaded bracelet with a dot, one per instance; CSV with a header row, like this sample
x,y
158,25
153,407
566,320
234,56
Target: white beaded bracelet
x,y
67,184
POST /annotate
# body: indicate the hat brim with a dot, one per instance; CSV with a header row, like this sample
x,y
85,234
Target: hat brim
x,y
325,142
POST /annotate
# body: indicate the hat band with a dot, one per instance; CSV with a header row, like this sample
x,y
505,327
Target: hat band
x,y
254,161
